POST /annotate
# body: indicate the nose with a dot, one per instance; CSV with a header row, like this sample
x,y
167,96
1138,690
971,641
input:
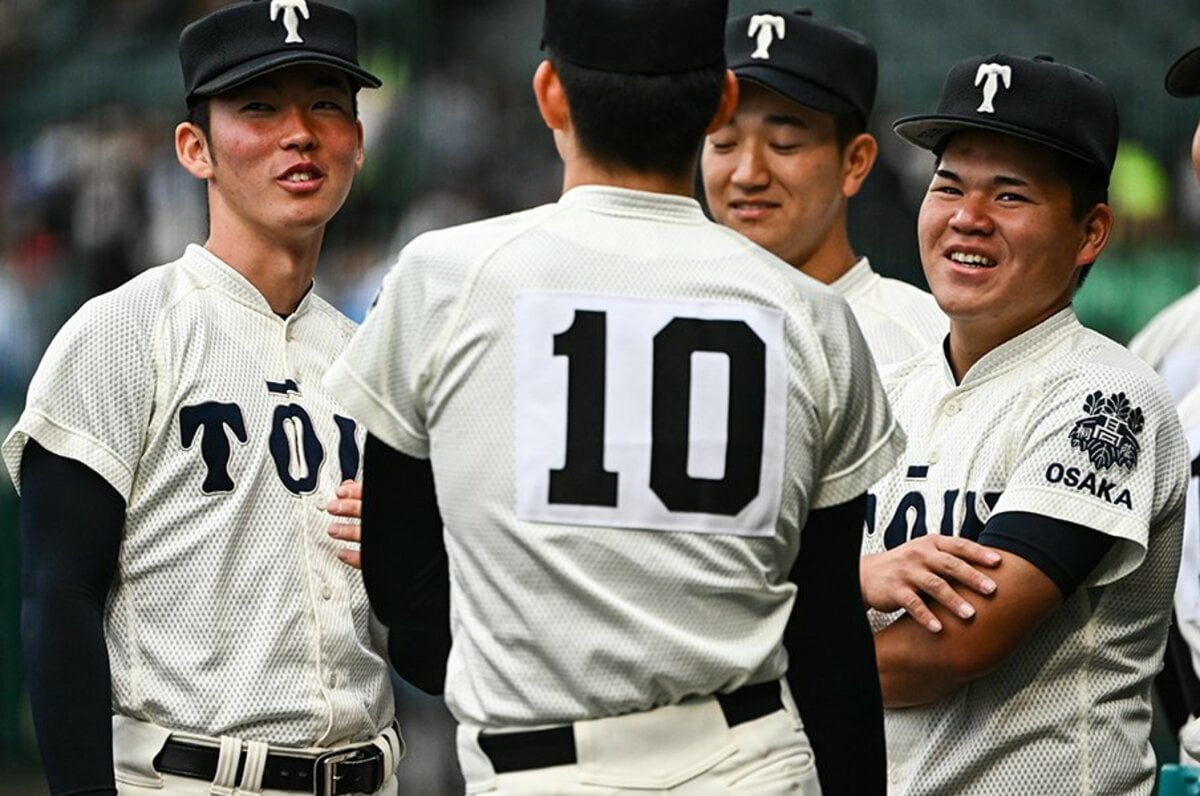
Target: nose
x,y
298,130
971,217
751,171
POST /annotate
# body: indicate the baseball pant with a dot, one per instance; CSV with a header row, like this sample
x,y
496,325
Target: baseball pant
x,y
683,750
137,743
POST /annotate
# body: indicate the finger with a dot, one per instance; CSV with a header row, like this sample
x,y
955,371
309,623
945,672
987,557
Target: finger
x,y
941,592
352,558
349,489
968,550
958,570
345,532
920,612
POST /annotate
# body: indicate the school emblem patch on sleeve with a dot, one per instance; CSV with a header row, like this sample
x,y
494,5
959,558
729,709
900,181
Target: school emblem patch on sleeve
x,y
1108,434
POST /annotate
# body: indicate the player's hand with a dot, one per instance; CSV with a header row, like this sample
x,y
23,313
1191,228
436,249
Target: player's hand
x,y
924,568
346,508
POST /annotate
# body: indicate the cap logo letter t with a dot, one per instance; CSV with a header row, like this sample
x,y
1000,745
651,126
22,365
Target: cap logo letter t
x,y
291,22
767,27
991,75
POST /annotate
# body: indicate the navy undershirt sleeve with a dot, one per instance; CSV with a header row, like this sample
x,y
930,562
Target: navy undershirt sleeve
x,y
405,569
71,521
1065,552
832,671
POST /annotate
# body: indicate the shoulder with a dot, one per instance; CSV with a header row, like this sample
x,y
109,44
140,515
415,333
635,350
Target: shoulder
x,y
1164,330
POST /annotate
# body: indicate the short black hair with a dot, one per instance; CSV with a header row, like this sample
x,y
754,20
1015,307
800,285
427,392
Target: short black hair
x,y
651,124
847,127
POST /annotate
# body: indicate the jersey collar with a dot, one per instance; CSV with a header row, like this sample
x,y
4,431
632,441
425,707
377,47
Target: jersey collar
x,y
615,201
1023,348
857,280
219,274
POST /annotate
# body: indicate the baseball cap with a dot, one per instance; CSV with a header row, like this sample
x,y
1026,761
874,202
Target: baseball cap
x,y
1036,98
651,37
810,61
245,39
1183,78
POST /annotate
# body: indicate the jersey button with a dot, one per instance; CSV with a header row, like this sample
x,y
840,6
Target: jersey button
x,y
952,408
934,457
326,592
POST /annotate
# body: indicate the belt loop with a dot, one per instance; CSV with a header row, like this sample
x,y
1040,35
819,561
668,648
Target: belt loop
x,y
391,744
225,780
252,774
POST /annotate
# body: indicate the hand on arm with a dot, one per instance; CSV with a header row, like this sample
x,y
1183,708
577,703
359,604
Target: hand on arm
x,y
347,504
923,568
917,667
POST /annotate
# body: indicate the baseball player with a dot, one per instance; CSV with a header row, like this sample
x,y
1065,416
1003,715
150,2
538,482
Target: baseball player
x,y
649,438
187,625
1171,344
1171,341
782,171
1043,440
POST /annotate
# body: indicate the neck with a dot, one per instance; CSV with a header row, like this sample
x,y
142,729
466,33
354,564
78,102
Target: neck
x,y
970,341
832,259
281,270
577,172
279,265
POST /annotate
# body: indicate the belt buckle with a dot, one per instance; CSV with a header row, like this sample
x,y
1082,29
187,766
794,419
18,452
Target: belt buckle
x,y
325,774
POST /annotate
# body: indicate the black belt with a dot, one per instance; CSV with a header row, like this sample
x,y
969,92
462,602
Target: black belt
x,y
521,751
358,770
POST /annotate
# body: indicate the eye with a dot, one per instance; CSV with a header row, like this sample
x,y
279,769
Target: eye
x,y
256,106
721,145
945,189
1010,196
786,147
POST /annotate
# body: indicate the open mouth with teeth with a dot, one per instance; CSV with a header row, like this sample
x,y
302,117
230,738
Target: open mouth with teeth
x,y
301,176
972,260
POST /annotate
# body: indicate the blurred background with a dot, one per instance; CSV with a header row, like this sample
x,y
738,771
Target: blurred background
x,y
91,194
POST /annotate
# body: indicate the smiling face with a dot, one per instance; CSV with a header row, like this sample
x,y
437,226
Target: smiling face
x,y
281,153
777,174
1000,243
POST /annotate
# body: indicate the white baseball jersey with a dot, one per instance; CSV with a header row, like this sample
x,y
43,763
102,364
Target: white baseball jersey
x,y
1170,343
230,613
1187,590
630,412
1061,422
897,319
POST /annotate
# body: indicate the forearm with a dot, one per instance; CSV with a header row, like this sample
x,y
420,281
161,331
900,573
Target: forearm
x,y
832,665
917,667
70,521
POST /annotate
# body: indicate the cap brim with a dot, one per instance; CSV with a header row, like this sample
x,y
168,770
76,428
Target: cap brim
x,y
268,63
928,131
1183,78
794,88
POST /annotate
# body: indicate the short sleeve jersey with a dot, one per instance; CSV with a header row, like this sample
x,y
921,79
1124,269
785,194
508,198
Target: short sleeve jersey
x,y
630,412
897,319
230,613
1170,343
1064,423
1187,590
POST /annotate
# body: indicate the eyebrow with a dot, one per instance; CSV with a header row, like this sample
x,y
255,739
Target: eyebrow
x,y
786,120
999,179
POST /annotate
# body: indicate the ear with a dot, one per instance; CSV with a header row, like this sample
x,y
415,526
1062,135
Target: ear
x,y
361,156
1097,228
727,104
858,158
551,97
191,148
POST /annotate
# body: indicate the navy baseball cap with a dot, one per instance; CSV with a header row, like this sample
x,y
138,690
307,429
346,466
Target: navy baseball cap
x,y
1036,98
812,62
649,37
1183,78
245,39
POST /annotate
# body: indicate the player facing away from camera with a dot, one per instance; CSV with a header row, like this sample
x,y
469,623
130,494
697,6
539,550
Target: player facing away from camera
x,y
650,441
185,618
1043,440
784,168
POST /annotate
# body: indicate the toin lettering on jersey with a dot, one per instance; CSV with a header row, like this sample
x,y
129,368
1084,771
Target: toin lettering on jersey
x,y
910,519
296,450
